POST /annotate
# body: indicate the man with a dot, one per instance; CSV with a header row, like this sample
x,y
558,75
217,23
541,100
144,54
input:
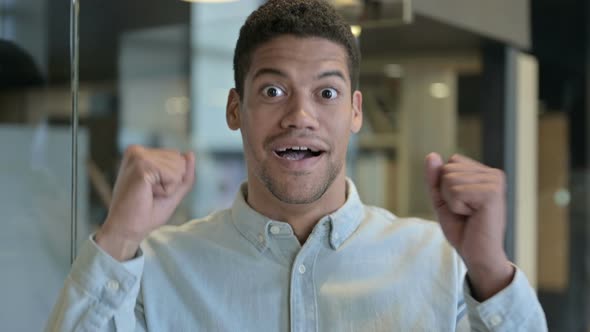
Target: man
x,y
297,250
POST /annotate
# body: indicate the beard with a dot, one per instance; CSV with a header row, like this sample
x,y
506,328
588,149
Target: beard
x,y
299,188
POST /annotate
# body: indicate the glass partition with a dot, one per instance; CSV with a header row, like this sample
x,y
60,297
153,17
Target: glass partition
x,y
35,167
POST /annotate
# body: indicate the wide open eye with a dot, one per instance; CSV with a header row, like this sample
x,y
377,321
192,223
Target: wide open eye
x,y
329,93
273,91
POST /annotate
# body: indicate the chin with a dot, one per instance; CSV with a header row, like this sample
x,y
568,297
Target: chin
x,y
297,189
297,196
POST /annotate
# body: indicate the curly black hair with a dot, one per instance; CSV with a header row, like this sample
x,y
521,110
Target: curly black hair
x,y
301,18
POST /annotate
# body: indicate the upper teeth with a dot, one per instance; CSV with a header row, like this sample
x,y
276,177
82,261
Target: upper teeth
x,y
300,148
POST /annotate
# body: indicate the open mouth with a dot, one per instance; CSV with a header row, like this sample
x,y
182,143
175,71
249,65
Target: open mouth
x,y
297,153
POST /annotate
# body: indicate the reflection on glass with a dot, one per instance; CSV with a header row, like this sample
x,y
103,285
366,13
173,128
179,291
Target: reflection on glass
x,y
35,171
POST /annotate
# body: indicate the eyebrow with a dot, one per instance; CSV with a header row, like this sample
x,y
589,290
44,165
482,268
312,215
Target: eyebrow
x,y
331,73
266,71
277,72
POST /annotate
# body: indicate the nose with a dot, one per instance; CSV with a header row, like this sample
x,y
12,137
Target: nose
x,y
300,114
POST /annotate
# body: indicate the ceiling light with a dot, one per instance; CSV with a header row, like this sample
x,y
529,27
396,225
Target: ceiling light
x,y
439,90
210,1
343,3
356,30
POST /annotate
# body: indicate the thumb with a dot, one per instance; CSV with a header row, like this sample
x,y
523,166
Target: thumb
x,y
189,176
432,170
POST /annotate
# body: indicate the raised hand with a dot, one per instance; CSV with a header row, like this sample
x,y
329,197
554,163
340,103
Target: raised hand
x,y
150,185
469,200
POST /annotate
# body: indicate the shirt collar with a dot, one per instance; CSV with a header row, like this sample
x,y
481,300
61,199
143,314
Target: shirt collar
x,y
347,218
255,227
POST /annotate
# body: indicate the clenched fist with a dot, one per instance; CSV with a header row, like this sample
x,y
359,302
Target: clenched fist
x,y
150,185
469,200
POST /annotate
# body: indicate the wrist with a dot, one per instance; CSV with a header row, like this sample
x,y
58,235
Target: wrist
x,y
116,244
486,280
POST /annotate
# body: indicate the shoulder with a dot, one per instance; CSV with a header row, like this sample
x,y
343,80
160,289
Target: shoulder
x,y
409,236
388,222
193,233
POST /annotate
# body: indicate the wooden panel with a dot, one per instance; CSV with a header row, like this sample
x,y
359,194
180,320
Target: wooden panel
x,y
553,232
526,145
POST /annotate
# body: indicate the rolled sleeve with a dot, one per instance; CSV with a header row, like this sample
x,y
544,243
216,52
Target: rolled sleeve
x,y
515,308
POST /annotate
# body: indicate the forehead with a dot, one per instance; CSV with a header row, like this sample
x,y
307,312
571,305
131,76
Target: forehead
x,y
299,54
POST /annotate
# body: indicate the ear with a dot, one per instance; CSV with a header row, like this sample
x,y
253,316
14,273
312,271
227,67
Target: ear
x,y
357,112
232,110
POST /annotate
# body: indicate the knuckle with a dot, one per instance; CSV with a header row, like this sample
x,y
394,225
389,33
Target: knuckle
x,y
447,169
455,191
146,175
170,153
500,177
498,174
450,178
133,150
133,155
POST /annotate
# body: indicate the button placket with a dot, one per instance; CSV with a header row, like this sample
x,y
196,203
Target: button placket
x,y
303,293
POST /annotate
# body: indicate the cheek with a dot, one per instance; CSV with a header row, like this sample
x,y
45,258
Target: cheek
x,y
251,139
255,129
337,126
339,136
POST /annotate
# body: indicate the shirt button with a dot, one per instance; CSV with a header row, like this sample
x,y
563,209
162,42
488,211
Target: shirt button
x,y
113,285
496,320
302,269
336,236
260,238
275,230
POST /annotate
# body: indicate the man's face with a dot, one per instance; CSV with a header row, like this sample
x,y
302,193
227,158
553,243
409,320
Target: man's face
x,y
296,116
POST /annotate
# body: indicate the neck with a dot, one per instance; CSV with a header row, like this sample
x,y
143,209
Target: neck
x,y
301,217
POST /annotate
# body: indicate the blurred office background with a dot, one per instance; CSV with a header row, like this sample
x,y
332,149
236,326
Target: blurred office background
x,y
502,81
